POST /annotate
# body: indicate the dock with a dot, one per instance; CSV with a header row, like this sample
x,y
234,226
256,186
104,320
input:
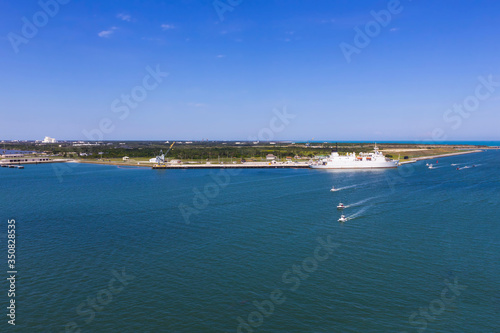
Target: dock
x,y
255,165
12,166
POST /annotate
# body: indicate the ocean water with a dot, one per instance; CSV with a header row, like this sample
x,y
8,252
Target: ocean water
x,y
478,143
107,249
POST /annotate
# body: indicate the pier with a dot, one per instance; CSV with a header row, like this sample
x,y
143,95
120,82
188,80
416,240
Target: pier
x,y
247,165
12,166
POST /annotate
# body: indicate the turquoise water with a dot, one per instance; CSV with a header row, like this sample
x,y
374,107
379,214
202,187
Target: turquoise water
x,y
475,143
411,231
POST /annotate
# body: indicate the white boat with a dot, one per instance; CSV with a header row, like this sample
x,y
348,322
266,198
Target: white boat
x,y
342,218
430,166
333,189
340,206
373,160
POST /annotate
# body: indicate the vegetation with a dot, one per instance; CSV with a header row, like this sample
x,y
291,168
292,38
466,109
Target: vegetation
x,y
203,151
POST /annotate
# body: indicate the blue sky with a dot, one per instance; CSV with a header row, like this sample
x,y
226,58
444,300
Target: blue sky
x,y
225,77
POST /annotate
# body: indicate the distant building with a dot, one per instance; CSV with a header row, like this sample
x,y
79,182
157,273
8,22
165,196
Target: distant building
x,y
81,143
270,157
125,158
12,155
49,140
24,160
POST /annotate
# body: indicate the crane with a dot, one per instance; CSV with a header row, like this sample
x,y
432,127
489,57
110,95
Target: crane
x,y
170,148
160,159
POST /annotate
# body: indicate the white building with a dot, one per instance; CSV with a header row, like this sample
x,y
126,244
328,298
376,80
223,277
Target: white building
x,y
12,155
49,140
30,160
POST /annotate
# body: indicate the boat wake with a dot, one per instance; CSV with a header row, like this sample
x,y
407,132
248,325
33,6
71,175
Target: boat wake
x,y
358,214
359,203
343,188
469,166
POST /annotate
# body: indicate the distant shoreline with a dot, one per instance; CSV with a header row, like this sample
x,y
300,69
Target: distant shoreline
x,y
263,165
416,159
446,155
207,155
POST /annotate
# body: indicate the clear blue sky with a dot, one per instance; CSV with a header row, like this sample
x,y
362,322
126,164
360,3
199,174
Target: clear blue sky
x,y
227,76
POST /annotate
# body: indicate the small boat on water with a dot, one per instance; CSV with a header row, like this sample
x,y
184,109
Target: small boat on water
x,y
431,166
340,206
333,189
342,218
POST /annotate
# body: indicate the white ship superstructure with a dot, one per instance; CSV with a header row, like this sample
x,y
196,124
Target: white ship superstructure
x,y
373,160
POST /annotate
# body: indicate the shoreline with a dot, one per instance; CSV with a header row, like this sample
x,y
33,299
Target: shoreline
x,y
247,165
416,159
446,155
112,163
263,165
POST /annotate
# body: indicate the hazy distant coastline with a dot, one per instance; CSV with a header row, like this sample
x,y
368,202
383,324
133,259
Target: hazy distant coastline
x,y
228,153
